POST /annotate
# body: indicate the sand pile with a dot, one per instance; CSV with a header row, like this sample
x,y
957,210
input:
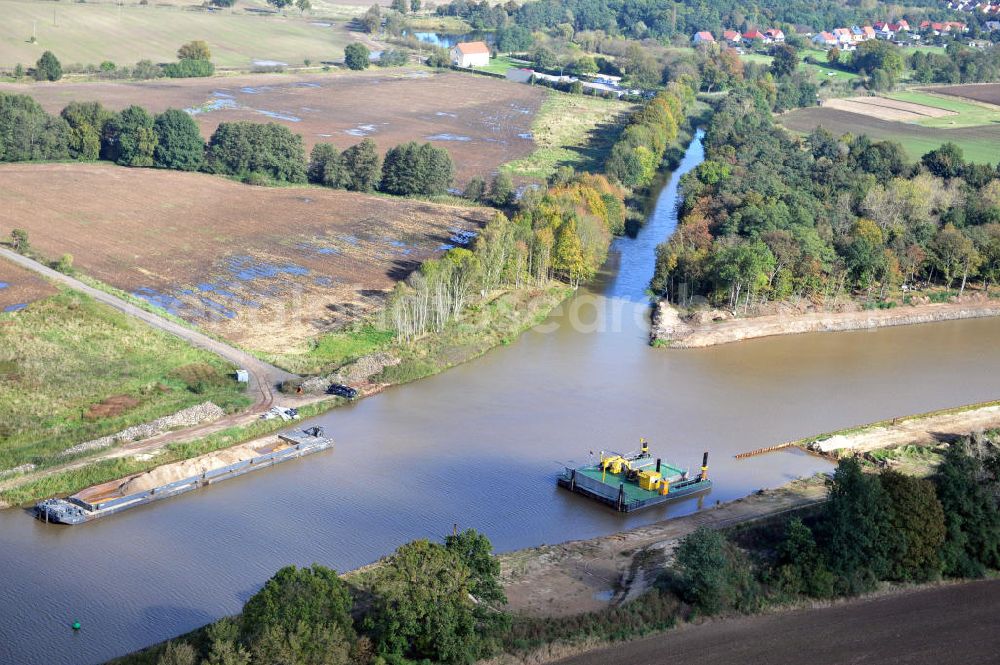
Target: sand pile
x,y
170,473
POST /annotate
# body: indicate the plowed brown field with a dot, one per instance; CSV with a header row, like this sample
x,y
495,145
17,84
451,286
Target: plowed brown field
x,y
988,93
483,122
266,267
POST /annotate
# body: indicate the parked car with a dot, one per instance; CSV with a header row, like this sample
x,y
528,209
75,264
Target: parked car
x,y
282,412
340,390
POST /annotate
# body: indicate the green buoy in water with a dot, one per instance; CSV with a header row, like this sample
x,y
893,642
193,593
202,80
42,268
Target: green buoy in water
x,y
76,625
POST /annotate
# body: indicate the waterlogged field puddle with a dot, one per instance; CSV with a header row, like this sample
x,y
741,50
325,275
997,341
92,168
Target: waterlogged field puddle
x,y
19,287
269,268
483,121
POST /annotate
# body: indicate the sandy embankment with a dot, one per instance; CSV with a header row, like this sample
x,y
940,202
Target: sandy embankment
x,y
926,429
693,332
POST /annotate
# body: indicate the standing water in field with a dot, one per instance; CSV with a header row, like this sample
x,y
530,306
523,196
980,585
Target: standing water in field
x,y
479,446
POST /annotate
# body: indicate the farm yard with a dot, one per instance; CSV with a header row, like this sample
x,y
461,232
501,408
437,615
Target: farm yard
x,y
92,32
483,122
268,268
19,288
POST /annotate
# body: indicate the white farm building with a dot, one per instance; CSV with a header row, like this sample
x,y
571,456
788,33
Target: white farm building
x,y
470,54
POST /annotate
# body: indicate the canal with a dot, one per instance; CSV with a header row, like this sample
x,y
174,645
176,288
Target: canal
x,y
479,446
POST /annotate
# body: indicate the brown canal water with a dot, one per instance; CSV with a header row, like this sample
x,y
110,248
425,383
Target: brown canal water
x,y
479,446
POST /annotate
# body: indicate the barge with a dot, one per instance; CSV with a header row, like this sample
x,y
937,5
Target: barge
x,y
633,481
116,496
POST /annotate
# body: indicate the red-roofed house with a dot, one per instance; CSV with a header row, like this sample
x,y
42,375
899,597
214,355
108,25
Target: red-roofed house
x,y
470,54
776,35
732,36
703,37
753,34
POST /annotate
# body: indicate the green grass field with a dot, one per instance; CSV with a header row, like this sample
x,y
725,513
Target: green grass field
x,y
823,72
65,355
501,63
970,114
570,130
88,33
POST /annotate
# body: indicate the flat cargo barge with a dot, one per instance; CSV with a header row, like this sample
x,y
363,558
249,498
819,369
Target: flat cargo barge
x,y
118,495
633,481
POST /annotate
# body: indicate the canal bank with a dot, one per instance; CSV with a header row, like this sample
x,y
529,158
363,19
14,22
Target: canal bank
x,y
479,446
716,327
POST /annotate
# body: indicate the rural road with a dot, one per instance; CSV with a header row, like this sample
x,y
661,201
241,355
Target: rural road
x,y
956,624
263,377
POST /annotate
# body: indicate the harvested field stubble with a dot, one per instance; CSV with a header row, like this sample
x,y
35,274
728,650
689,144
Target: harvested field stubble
x,y
269,268
483,122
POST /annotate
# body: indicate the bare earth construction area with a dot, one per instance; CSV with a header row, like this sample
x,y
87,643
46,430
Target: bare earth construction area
x,y
266,267
483,122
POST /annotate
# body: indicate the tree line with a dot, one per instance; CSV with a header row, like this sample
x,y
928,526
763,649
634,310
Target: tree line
x,y
873,527
426,602
637,154
563,232
259,153
770,217
641,19
193,60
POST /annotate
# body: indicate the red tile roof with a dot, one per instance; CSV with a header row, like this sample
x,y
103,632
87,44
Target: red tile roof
x,y
468,48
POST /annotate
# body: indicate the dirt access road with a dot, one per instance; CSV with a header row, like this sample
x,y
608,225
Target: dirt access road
x,y
263,377
955,623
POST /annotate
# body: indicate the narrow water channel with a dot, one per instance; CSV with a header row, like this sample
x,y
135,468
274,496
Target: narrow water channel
x,y
479,446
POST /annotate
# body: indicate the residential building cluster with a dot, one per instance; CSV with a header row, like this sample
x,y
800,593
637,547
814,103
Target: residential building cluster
x,y
846,39
991,8
736,38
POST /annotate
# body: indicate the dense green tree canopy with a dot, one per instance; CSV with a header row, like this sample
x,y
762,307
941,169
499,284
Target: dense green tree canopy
x,y
245,148
179,144
411,169
363,166
130,138
357,56
48,67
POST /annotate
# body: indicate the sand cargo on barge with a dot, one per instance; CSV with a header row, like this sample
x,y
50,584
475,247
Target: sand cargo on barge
x,y
116,496
633,481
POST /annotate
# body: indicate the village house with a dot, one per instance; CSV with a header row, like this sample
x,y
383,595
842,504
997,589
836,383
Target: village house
x,y
733,37
470,54
754,33
824,39
703,37
776,35
844,36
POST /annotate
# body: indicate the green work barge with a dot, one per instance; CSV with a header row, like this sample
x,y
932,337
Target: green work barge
x,y
634,481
